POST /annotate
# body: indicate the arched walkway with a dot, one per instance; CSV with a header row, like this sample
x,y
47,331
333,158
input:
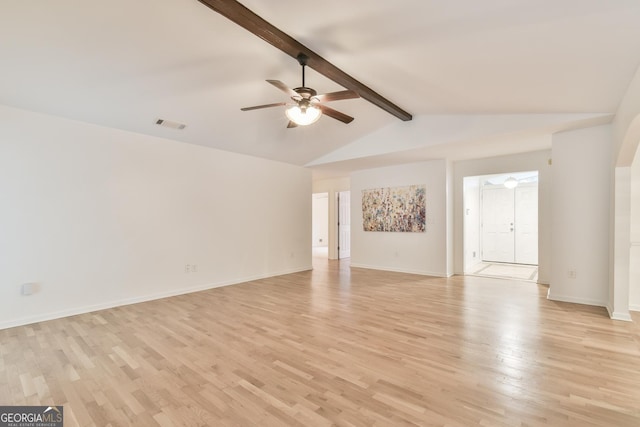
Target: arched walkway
x,y
621,223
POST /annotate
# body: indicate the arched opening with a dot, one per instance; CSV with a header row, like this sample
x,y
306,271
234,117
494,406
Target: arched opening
x,y
623,290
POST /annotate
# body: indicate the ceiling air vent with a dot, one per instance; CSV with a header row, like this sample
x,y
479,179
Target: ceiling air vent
x,y
170,124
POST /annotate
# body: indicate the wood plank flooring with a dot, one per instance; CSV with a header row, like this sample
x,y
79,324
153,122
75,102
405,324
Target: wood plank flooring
x,y
334,347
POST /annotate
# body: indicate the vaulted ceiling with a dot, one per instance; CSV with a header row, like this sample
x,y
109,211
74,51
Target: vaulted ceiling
x,y
478,76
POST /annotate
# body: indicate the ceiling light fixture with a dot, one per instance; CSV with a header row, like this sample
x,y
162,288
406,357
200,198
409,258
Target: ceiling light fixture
x,y
304,113
307,106
511,183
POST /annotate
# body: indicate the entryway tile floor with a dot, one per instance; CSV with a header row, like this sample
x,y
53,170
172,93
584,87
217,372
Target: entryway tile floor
x,y
506,271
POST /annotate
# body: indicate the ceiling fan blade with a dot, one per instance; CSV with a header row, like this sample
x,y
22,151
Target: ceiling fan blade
x,y
291,125
257,107
283,87
337,96
334,114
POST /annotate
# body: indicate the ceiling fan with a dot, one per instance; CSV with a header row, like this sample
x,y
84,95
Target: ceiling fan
x,y
307,106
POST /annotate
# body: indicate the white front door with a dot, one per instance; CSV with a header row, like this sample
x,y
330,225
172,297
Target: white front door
x,y
498,235
510,224
344,224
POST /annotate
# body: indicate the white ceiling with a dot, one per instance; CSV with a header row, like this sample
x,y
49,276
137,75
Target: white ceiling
x,y
476,75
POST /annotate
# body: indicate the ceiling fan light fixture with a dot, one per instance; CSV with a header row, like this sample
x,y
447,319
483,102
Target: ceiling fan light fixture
x,y
303,117
511,183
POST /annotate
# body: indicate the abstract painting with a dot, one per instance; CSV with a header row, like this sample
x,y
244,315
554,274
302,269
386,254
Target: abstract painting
x,y
396,209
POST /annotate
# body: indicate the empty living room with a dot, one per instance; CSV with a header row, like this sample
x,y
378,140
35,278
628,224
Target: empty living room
x,y
364,213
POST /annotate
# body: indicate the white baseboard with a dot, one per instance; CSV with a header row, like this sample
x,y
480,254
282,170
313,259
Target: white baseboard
x,y
43,317
625,317
575,300
634,307
399,270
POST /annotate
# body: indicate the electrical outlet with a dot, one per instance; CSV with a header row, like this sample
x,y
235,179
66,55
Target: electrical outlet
x,y
29,288
194,268
187,268
571,274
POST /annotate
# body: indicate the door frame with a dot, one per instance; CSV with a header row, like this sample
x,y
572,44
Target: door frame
x,y
471,205
340,253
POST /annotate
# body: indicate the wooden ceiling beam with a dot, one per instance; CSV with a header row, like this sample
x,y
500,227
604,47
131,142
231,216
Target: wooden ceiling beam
x,y
236,12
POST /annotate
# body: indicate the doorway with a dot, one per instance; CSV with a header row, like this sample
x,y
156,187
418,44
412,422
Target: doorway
x,y
331,224
320,224
501,225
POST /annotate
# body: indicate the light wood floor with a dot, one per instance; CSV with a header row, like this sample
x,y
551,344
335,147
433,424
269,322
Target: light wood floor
x,y
334,347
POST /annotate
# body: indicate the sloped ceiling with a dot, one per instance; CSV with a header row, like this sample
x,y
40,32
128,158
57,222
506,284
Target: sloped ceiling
x,y
476,75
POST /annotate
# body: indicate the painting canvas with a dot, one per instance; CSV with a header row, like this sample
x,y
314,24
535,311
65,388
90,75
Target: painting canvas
x,y
397,209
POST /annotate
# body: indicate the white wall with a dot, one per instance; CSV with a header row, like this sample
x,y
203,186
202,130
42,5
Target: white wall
x,y
420,253
332,187
449,217
634,273
100,217
581,200
471,222
320,230
537,160
626,125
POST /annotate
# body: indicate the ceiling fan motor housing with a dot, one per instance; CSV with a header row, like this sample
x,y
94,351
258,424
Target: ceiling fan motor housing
x,y
305,92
